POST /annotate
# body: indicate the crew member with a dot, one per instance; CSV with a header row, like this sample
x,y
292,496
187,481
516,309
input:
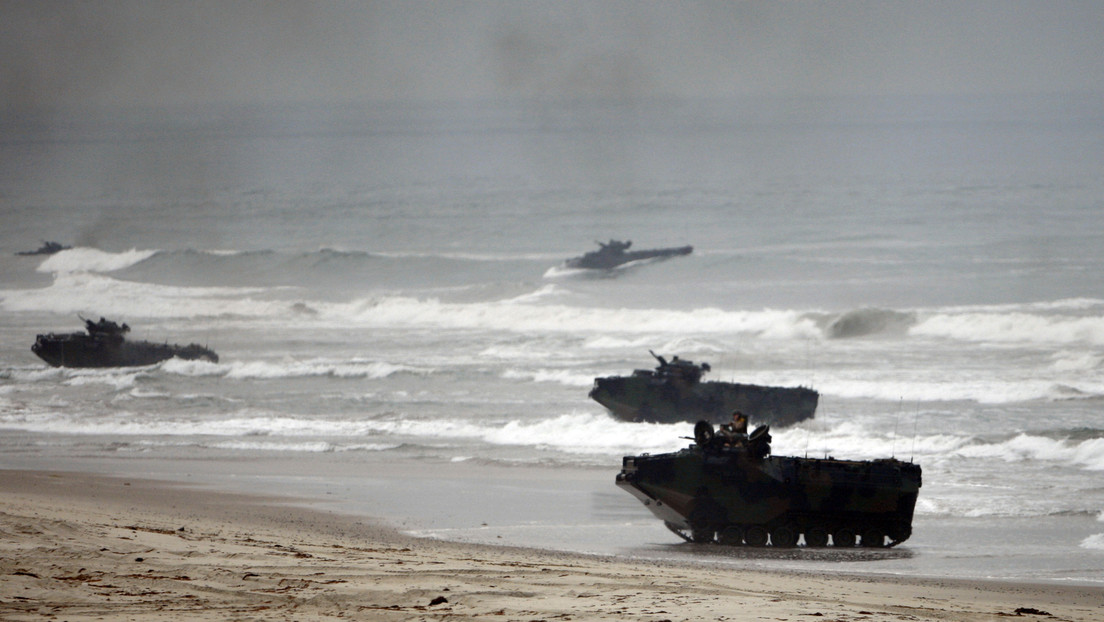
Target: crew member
x,y
735,431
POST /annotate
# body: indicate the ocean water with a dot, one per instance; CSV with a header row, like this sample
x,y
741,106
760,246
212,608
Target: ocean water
x,y
399,337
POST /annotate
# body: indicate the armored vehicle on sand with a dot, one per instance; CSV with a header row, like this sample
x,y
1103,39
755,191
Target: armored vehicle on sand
x,y
727,488
674,392
104,345
613,254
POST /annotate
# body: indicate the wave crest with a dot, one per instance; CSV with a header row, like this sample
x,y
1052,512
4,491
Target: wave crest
x,y
93,260
861,322
1013,327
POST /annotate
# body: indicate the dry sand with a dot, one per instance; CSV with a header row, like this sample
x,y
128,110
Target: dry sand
x,y
80,547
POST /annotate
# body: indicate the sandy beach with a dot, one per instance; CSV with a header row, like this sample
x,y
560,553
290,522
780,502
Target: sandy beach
x,y
81,547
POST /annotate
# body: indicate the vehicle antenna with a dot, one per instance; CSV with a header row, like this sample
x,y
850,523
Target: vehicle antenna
x,y
915,418
809,363
896,421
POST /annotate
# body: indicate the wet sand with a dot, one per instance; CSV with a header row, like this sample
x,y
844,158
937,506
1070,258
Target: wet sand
x,y
84,547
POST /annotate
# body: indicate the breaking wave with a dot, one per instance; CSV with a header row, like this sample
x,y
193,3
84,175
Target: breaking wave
x,y
88,292
578,433
81,284
315,367
564,377
861,322
854,441
93,260
1094,542
521,316
1016,326
924,386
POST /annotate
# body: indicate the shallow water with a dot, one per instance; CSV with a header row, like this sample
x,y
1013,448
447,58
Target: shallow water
x,y
386,292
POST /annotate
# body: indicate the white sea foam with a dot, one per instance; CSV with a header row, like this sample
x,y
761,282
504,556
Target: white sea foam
x,y
254,444
307,447
146,394
93,260
78,292
124,423
197,368
589,433
572,433
119,381
402,311
1087,454
86,292
561,271
560,376
849,440
1066,361
542,293
1062,304
617,342
660,344
39,374
528,351
686,345
1013,327
316,367
1094,542
955,388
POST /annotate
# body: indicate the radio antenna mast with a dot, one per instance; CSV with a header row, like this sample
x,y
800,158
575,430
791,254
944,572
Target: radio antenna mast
x,y
915,418
896,421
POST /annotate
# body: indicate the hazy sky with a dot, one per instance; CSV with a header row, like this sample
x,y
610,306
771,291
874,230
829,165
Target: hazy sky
x,y
151,52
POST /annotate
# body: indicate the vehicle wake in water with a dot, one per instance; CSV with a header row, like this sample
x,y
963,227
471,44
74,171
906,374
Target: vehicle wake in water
x,y
396,339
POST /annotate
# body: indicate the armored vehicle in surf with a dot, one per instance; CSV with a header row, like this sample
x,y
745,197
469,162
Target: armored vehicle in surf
x,y
727,488
613,254
674,392
47,248
104,345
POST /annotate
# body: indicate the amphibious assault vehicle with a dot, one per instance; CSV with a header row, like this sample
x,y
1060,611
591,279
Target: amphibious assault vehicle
x,y
675,392
727,488
612,254
47,248
105,346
